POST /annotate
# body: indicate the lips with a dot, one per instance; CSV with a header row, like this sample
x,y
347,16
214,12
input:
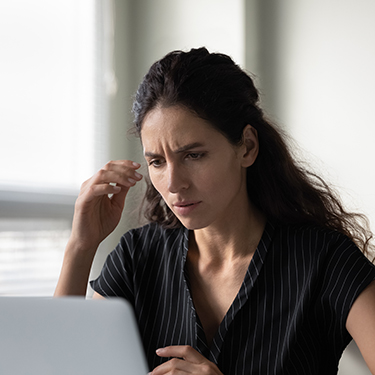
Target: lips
x,y
185,207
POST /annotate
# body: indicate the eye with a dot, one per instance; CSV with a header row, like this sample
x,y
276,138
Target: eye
x,y
195,155
155,163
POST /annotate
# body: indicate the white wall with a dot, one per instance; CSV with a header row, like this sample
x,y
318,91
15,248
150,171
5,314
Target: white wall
x,y
326,80
161,26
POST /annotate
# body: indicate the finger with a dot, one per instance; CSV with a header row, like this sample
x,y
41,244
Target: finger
x,y
180,366
122,172
102,189
121,164
124,177
175,366
119,173
181,351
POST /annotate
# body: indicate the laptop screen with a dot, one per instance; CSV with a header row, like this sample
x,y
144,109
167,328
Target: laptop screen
x,y
69,335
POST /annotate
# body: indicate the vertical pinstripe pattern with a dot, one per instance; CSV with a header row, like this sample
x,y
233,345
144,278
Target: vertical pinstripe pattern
x,y
288,317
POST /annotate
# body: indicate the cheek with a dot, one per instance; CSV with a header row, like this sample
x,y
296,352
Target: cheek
x,y
229,179
157,182
222,173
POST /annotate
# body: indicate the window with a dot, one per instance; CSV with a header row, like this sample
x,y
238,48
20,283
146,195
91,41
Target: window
x,y
48,130
48,91
31,254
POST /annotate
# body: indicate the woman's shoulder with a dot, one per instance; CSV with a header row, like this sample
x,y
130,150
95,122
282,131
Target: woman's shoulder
x,y
312,232
322,243
322,249
153,236
316,239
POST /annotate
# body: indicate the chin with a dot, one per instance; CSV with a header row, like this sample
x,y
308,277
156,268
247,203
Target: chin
x,y
192,224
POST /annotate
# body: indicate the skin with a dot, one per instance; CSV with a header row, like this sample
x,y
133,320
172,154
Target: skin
x,y
361,325
188,160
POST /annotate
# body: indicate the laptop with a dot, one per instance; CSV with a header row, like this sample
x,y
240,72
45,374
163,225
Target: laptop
x,y
69,336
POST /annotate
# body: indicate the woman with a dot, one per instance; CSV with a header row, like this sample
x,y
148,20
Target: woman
x,y
250,264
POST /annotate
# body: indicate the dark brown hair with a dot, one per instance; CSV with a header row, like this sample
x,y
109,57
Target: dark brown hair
x,y
214,88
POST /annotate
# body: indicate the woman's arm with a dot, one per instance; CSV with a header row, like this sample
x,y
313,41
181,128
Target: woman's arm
x,y
75,270
95,217
361,325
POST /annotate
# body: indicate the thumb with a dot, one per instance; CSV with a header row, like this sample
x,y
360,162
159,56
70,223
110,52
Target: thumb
x,y
119,195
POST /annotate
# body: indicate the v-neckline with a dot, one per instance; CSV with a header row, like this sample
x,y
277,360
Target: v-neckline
x,y
212,352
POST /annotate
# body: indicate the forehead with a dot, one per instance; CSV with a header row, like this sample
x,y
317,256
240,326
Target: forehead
x,y
174,127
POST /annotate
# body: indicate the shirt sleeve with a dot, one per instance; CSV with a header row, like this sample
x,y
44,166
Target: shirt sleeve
x,y
346,273
115,279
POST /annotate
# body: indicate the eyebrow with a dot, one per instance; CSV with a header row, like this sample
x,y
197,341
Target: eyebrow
x,y
177,151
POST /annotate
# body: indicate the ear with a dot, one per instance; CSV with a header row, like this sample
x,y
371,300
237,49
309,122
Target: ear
x,y
250,146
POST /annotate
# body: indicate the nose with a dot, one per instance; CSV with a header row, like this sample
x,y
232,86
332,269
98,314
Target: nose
x,y
177,178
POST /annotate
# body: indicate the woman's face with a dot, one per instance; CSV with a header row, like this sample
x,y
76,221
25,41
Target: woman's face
x,y
198,172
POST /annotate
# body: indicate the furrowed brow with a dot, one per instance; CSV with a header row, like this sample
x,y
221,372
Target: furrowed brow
x,y
190,146
148,154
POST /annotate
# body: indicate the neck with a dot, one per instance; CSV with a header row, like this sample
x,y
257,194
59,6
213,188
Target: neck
x,y
236,238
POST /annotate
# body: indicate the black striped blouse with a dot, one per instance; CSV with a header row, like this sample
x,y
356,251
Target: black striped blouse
x,y
288,317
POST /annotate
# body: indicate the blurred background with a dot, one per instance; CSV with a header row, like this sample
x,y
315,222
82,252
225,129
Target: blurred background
x,y
69,69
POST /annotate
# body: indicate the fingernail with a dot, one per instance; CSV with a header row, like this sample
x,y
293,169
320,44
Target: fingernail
x,y
138,175
136,164
117,188
132,181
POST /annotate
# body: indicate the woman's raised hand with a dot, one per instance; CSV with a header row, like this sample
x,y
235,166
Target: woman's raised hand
x,y
96,214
